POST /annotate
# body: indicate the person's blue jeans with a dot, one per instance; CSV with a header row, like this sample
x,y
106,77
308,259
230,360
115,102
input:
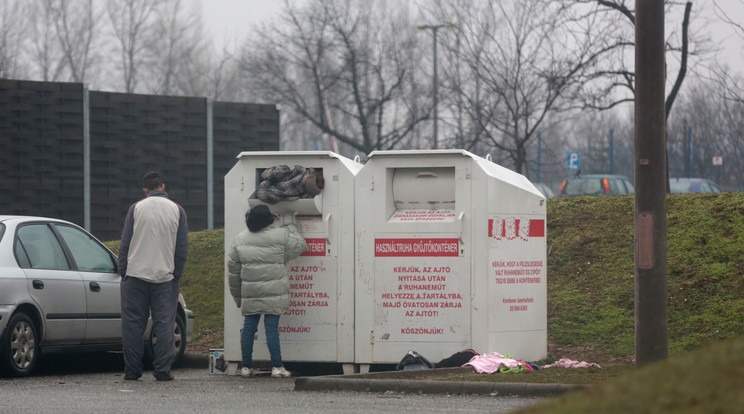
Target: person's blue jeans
x,y
271,326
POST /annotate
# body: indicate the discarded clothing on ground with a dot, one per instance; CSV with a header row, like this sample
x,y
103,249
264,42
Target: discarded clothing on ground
x,y
413,361
284,183
457,359
531,366
570,363
495,362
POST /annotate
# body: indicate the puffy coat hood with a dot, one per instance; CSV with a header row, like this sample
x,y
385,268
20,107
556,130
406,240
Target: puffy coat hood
x,y
258,267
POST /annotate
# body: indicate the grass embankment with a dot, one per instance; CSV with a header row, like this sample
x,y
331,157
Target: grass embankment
x,y
591,273
203,287
707,380
590,304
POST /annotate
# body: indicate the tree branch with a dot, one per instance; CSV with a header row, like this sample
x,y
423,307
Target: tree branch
x,y
683,64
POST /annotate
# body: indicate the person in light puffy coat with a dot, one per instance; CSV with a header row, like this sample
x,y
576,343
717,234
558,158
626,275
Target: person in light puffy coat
x,y
258,276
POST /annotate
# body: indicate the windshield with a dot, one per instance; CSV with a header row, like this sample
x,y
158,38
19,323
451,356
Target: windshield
x,y
583,186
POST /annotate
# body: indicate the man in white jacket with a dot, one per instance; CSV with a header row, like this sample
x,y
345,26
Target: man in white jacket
x,y
152,256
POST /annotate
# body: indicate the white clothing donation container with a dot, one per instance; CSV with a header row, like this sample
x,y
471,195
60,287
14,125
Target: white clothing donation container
x,y
451,255
319,326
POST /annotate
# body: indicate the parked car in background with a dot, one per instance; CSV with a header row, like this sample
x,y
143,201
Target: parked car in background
x,y
595,184
59,292
693,185
544,189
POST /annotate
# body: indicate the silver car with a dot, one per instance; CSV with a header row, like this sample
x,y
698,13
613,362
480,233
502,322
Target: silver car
x,y
59,292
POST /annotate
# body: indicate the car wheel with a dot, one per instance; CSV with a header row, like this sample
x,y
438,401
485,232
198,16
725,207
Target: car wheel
x,y
179,342
179,339
21,346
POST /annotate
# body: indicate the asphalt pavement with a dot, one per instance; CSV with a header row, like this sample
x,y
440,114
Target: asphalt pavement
x,y
94,383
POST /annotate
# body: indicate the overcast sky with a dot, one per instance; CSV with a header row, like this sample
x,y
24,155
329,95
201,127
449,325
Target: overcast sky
x,y
229,21
726,35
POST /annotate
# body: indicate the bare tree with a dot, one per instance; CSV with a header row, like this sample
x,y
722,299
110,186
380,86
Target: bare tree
x,y
713,125
223,81
76,25
44,54
615,77
177,45
729,84
132,26
528,61
11,24
341,65
160,44
209,73
164,41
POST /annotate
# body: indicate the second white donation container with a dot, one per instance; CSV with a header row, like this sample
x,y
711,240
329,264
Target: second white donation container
x,y
319,326
451,254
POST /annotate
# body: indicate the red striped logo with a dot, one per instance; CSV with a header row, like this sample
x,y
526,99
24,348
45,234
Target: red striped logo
x,y
510,228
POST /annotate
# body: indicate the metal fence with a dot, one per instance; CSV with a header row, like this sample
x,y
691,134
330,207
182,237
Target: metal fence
x,y
79,155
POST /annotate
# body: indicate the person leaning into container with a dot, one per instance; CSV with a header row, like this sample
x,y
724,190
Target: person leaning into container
x,y
258,275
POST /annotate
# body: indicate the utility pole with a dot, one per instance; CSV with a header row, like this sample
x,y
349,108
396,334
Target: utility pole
x,y
689,151
651,337
612,151
435,87
539,155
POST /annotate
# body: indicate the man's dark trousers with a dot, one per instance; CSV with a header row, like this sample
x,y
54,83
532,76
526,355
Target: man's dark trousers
x,y
140,299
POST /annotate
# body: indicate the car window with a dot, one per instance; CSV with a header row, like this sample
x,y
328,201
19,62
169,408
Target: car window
x,y
592,186
582,186
38,248
631,187
617,186
88,254
2,230
679,187
627,186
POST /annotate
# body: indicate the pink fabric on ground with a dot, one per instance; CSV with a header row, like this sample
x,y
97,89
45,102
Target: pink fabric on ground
x,y
570,363
490,363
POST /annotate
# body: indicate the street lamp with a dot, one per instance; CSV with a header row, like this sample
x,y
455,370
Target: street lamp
x,y
434,29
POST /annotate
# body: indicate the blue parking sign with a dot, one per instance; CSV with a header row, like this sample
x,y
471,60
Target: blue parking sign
x,y
573,160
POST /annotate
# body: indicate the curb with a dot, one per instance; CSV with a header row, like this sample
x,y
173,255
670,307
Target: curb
x,y
335,383
407,382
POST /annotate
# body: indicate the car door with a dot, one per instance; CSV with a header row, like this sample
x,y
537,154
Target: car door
x,y
97,267
52,284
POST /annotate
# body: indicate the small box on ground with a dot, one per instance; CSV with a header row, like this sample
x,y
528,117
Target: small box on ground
x,y
217,362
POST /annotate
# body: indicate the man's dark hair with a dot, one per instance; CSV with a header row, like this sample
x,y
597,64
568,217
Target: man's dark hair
x,y
152,180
